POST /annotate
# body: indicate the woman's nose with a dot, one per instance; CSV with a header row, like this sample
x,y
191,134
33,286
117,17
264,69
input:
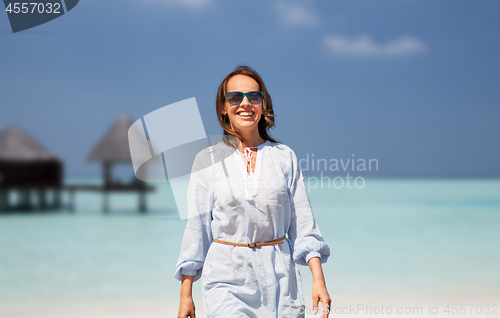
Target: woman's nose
x,y
245,101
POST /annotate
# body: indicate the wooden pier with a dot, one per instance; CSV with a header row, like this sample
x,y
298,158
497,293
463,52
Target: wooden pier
x,y
50,198
27,194
30,171
107,191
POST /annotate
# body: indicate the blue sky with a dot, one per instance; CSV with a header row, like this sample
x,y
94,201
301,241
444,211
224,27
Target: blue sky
x,y
414,84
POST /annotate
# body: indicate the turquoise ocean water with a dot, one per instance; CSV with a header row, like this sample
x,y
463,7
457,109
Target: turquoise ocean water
x,y
411,242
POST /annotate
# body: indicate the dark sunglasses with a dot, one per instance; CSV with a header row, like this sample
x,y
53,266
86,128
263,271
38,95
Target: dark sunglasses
x,y
235,98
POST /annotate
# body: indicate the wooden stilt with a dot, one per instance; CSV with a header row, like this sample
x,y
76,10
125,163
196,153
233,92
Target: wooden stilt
x,y
56,200
72,200
25,199
4,200
42,198
105,202
142,202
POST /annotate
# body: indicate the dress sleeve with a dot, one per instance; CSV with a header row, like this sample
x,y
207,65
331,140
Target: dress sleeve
x,y
198,233
307,241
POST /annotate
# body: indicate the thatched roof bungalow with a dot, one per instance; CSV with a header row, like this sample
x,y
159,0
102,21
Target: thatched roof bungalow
x,y
24,166
113,148
25,163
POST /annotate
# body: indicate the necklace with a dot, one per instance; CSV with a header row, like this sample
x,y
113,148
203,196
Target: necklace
x,y
248,153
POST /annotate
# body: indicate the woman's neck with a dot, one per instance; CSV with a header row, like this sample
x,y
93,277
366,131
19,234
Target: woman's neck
x,y
251,139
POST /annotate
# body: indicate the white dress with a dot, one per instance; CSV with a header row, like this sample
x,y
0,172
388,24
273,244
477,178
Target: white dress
x,y
225,203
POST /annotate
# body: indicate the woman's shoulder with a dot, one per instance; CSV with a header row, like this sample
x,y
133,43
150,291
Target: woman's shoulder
x,y
213,154
284,153
281,148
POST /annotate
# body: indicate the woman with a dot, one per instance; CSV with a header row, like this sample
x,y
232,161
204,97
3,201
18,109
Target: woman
x,y
241,205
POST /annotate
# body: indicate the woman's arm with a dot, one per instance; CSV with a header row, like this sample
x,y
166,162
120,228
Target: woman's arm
x,y
186,308
197,236
319,292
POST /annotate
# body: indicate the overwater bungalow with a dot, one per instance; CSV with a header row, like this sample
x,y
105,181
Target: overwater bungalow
x,y
30,171
113,150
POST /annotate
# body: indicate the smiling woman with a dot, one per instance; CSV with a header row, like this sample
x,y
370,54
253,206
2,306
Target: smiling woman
x,y
241,211
261,119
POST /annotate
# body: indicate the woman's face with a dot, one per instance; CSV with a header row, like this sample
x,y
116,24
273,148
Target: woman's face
x,y
245,116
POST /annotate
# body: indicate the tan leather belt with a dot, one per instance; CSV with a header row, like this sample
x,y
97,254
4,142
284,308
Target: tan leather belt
x,y
273,242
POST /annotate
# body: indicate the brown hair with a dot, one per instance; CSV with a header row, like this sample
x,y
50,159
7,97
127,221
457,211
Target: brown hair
x,y
267,119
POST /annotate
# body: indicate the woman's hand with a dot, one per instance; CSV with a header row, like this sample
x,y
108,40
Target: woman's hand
x,y
186,308
319,292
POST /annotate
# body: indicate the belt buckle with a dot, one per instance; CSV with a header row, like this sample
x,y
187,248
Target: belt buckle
x,y
252,245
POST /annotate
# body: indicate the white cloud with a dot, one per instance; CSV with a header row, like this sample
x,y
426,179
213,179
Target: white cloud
x,y
365,46
296,13
191,4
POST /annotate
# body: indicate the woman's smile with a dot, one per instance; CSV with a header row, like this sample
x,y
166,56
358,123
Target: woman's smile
x,y
245,114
